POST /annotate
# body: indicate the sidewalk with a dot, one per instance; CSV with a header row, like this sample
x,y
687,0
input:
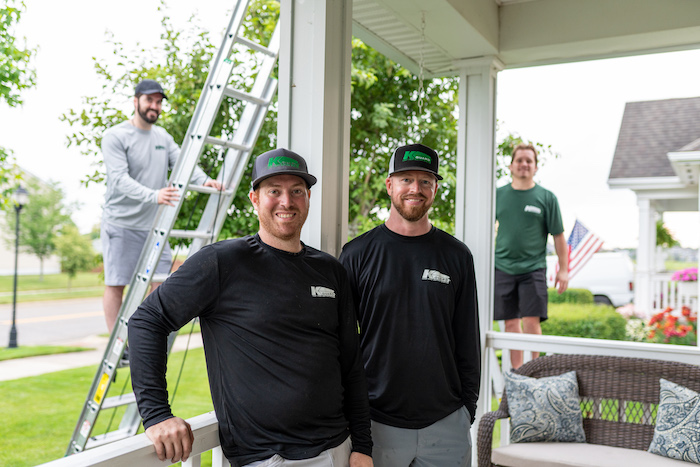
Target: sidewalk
x,y
33,366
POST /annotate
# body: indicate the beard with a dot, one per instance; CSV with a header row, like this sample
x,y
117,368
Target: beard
x,y
411,213
286,231
145,114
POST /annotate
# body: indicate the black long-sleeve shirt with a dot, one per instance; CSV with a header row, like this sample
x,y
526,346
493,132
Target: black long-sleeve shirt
x,y
419,324
280,339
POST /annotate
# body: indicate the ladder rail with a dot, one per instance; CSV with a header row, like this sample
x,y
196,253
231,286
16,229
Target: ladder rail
x,y
239,150
235,161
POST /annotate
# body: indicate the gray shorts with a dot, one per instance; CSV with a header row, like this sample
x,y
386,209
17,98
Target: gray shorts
x,y
121,249
520,295
446,442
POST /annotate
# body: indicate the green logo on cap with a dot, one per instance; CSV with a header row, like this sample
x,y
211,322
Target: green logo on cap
x,y
283,161
417,156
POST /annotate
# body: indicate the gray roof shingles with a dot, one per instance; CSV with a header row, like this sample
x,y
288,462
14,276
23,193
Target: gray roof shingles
x,y
649,131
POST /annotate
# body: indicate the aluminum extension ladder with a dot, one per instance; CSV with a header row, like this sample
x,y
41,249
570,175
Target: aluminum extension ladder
x,y
238,150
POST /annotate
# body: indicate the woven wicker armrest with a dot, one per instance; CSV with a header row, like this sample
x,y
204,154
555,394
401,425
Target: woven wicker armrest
x,y
485,434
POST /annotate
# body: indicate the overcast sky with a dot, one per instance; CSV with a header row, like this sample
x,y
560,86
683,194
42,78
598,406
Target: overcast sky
x,y
576,108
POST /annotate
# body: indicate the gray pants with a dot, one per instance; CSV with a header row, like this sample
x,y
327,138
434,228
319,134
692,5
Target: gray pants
x,y
446,442
338,456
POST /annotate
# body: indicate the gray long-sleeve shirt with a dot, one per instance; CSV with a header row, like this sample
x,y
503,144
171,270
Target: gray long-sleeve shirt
x,y
137,163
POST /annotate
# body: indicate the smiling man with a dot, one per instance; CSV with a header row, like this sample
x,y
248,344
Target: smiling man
x,y
280,338
415,291
526,215
137,155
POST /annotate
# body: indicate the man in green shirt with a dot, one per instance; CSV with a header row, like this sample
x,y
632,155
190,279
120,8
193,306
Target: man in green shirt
x,y
526,214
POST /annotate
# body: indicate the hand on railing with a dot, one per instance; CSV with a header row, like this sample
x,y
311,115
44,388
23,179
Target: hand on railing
x,y
172,439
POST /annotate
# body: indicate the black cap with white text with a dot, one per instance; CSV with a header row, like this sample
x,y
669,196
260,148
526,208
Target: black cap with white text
x,y
414,157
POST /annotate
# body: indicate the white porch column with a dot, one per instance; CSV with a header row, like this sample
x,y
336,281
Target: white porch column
x,y
314,109
643,293
476,176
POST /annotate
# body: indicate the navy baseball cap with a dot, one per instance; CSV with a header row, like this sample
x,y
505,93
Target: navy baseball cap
x,y
149,86
281,162
414,157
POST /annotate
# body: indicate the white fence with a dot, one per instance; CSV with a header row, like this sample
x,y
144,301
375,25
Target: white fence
x,y
667,293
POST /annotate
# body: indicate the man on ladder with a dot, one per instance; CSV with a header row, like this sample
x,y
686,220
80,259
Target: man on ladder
x,y
137,155
280,337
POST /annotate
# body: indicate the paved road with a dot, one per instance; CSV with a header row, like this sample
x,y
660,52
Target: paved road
x,y
54,321
70,322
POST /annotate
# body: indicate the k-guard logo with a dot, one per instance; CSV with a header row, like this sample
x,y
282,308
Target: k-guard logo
x,y
282,162
535,209
158,146
322,292
417,156
435,276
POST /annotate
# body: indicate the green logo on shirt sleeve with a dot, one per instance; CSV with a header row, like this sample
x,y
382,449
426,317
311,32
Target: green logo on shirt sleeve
x,y
416,156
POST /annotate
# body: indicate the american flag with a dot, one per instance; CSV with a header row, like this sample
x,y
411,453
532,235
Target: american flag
x,y
582,245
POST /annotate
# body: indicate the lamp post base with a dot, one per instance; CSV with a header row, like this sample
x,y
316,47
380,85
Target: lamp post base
x,y
13,338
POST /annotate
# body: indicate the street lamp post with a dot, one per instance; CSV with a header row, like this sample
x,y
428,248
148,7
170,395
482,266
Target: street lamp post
x,y
20,198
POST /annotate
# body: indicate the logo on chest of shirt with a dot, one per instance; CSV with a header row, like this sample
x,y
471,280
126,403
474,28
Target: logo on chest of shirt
x,y
535,209
322,292
435,276
158,146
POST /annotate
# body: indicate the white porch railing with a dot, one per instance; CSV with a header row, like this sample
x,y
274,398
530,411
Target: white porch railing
x,y
667,293
138,450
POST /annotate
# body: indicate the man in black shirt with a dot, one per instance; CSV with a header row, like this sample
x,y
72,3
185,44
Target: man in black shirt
x,y
280,338
415,291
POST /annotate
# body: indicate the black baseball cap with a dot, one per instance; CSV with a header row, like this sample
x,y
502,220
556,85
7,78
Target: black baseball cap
x,y
281,162
149,86
414,157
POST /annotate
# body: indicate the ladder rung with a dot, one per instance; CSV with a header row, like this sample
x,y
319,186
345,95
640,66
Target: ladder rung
x,y
208,189
226,144
190,234
112,436
118,401
244,96
255,46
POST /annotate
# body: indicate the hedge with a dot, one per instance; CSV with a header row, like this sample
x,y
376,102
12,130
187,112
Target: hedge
x,y
591,320
582,296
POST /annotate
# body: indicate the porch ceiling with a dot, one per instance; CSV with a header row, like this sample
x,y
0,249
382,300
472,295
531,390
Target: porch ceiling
x,y
523,32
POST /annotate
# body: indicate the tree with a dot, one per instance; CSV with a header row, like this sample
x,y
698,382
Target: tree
x,y
664,237
75,251
42,218
16,75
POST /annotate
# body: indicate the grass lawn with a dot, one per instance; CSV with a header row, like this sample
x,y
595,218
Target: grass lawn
x,y
35,351
54,286
673,266
40,412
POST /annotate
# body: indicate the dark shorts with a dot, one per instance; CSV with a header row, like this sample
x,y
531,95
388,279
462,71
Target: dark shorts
x,y
520,295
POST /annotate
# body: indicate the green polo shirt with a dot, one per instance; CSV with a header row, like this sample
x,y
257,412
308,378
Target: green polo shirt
x,y
525,218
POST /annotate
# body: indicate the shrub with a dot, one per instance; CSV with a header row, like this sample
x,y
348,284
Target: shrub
x,y
581,296
590,320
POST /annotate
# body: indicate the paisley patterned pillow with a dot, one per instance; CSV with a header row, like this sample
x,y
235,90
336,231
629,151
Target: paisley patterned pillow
x,y
677,431
544,409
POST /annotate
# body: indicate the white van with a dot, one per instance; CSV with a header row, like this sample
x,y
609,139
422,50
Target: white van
x,y
609,277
